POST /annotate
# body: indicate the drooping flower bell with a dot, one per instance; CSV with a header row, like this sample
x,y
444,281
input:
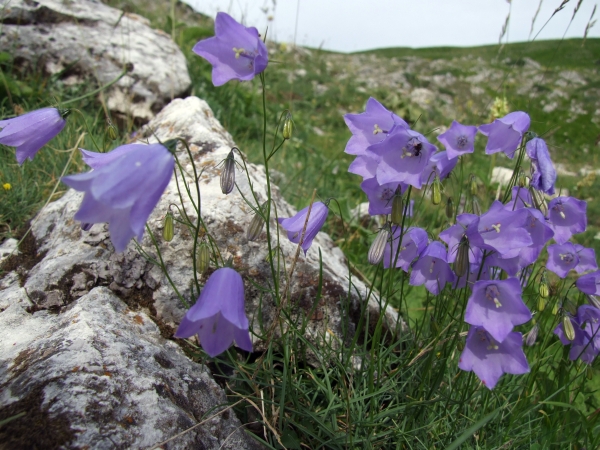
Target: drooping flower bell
x,y
567,217
544,173
218,317
295,225
31,131
432,269
490,359
123,189
414,241
236,52
582,332
458,139
589,283
504,134
381,196
568,256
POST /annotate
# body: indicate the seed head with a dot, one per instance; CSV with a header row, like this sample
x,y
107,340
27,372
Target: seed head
x,y
378,246
228,174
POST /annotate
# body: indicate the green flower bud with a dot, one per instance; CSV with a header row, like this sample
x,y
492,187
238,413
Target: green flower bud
x,y
397,208
168,229
202,257
555,309
544,289
449,208
461,264
228,174
568,328
436,192
111,130
378,246
473,185
541,303
256,225
288,126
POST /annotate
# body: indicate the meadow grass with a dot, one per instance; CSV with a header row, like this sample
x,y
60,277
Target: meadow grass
x,y
380,391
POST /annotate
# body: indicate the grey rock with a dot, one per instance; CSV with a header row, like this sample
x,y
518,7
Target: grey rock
x,y
86,39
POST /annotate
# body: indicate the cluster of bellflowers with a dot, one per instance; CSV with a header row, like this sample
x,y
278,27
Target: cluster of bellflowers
x,y
124,186
489,252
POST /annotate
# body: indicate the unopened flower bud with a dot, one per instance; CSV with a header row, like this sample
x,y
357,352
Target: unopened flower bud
x,y
541,303
544,289
111,130
202,257
461,264
449,208
594,301
256,225
288,126
228,174
460,345
436,192
568,328
555,309
168,229
532,335
473,185
378,246
397,208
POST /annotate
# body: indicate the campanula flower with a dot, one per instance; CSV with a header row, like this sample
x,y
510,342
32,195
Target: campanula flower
x,y
365,165
295,225
31,131
458,139
370,127
438,166
453,236
544,173
218,317
235,52
497,306
589,283
568,256
413,243
432,269
123,190
586,325
380,196
567,217
490,359
504,135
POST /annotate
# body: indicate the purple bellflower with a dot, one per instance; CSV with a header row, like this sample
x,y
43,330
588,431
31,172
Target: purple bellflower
x,y
218,317
490,359
439,165
414,242
432,269
497,306
567,217
586,344
380,196
458,139
370,127
504,135
544,174
365,165
404,156
295,225
563,258
521,198
235,52
453,235
31,131
123,191
589,283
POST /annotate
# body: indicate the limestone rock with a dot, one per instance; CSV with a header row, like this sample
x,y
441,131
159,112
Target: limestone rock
x,y
85,39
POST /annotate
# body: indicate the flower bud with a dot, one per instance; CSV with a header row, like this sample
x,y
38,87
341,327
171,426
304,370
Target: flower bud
x,y
541,303
544,290
594,301
256,225
397,208
378,246
460,345
532,335
168,229
202,257
568,328
288,127
111,130
461,264
473,185
555,309
449,208
436,192
228,174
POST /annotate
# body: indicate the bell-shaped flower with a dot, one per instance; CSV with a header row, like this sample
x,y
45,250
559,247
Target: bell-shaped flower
x,y
490,359
453,237
459,139
500,230
589,283
295,225
544,173
504,134
586,342
365,165
236,52
568,256
218,317
124,190
380,196
520,198
439,165
370,127
30,132
567,217
413,243
497,306
432,269
404,156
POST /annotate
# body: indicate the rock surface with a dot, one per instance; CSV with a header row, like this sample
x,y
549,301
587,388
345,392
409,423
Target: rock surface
x,y
85,39
63,274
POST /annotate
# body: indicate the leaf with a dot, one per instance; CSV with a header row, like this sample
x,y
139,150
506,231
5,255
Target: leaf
x,y
470,431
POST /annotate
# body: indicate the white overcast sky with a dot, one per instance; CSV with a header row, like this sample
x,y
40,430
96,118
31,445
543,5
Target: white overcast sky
x,y
352,25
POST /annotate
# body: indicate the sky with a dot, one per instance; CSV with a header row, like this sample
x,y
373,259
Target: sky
x,y
354,25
